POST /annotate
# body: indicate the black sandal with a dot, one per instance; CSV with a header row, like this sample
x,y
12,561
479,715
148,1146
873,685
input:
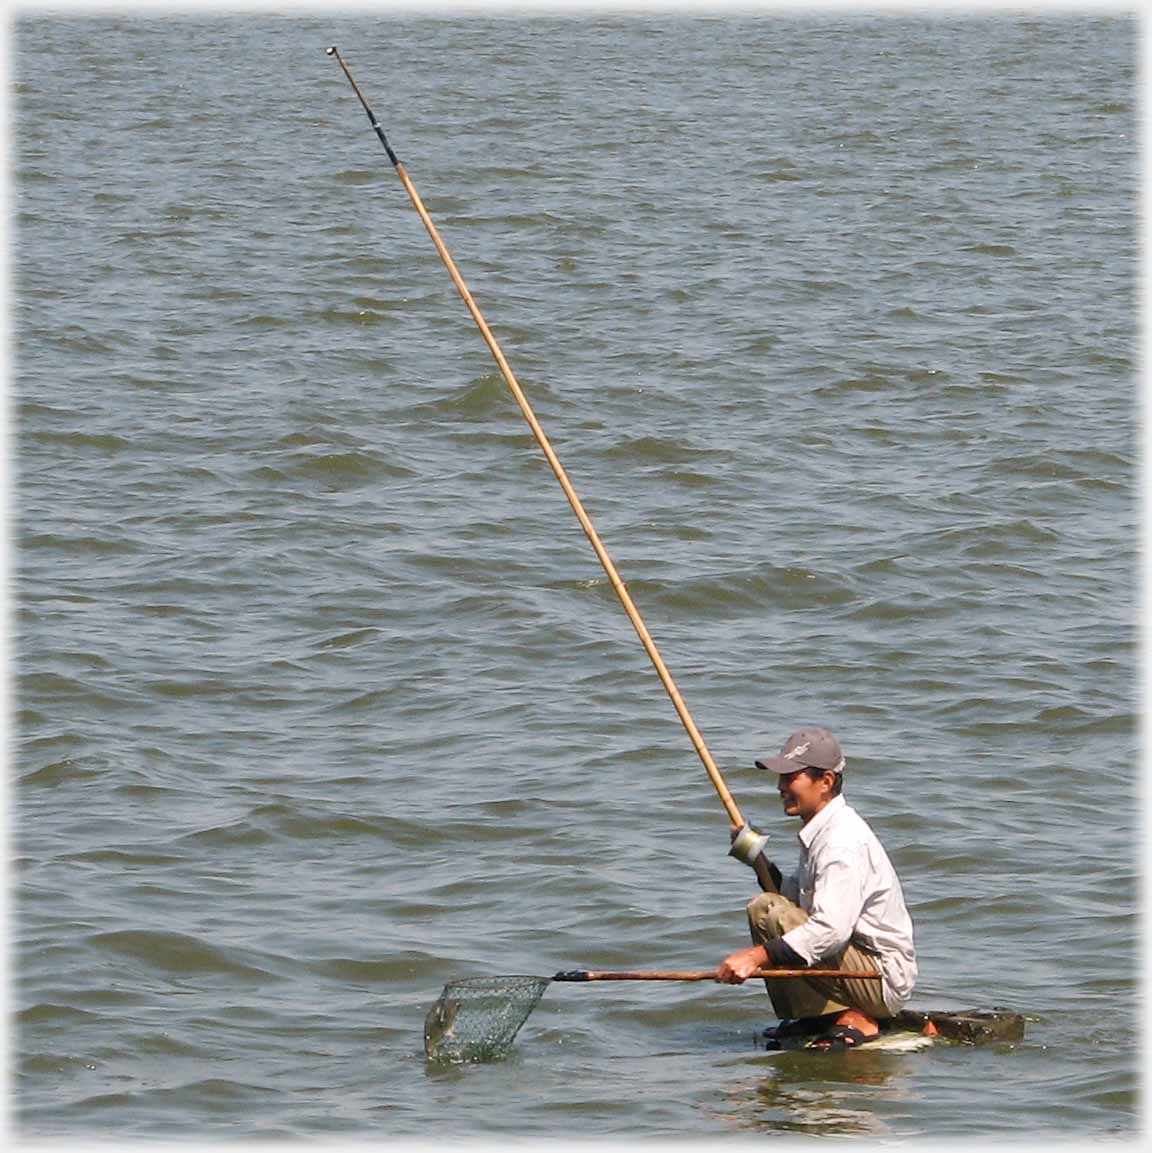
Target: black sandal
x,y
793,1027
839,1037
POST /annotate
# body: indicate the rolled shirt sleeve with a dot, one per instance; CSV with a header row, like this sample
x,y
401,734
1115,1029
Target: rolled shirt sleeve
x,y
837,901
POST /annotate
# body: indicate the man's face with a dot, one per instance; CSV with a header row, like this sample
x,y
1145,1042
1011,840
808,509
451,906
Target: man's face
x,y
802,796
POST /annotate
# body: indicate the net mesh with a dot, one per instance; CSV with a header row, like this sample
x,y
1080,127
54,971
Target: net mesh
x,y
477,1019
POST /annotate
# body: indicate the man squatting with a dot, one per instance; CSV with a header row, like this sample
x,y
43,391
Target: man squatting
x,y
843,908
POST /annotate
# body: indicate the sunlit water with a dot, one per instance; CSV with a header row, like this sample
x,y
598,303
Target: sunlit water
x,y
322,698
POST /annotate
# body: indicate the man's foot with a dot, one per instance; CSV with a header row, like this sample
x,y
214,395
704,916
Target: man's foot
x,y
793,1027
789,1028
858,1020
850,1029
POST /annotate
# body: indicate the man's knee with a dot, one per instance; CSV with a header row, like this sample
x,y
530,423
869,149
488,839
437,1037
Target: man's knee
x,y
773,914
767,903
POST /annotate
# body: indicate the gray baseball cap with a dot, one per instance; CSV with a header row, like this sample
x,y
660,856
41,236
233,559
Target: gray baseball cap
x,y
808,748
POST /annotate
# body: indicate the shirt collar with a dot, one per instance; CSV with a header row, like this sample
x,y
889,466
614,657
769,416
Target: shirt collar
x,y
807,833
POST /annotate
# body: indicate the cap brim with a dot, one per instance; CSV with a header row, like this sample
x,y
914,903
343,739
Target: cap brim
x,y
779,765
791,765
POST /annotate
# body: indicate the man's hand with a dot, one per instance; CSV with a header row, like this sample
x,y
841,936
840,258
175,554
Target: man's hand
x,y
735,969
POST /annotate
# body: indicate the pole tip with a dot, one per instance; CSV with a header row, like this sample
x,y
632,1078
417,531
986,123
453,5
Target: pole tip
x,y
330,51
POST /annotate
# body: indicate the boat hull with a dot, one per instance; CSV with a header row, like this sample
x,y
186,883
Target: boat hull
x,y
912,1029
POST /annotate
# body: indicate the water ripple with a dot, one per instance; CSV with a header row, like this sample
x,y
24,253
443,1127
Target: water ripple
x,y
321,699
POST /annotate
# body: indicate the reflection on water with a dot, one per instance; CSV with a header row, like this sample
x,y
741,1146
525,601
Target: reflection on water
x,y
819,1094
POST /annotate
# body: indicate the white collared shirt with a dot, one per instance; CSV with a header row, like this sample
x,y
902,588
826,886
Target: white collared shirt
x,y
848,888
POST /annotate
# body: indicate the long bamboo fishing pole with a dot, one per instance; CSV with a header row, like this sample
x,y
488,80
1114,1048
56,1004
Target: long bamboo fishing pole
x,y
553,460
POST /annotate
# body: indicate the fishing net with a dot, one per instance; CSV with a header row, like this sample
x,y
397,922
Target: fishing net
x,y
477,1019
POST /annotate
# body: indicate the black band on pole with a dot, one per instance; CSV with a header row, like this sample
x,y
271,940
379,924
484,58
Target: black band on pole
x,y
384,141
371,115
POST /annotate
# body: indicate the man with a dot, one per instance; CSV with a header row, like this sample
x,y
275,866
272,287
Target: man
x,y
842,909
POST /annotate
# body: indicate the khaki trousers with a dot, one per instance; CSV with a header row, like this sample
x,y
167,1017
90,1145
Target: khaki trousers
x,y
770,916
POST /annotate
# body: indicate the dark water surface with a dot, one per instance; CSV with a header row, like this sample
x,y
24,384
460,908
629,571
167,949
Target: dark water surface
x,y
321,697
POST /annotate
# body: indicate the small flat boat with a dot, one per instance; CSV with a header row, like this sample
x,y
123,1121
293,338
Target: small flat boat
x,y
913,1029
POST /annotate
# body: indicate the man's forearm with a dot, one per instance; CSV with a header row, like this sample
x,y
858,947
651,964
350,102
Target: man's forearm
x,y
781,955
